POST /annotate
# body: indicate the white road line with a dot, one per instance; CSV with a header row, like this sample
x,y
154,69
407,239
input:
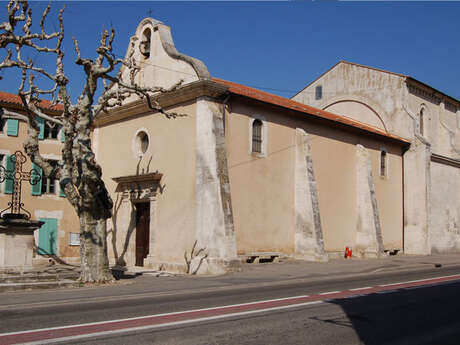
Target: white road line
x,y
420,280
154,315
329,293
362,288
92,335
48,341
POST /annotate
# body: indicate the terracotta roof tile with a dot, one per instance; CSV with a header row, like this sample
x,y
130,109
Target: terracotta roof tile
x,y
266,97
10,98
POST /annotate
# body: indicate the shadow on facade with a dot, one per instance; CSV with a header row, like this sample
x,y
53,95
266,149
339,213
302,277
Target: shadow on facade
x,y
53,258
120,257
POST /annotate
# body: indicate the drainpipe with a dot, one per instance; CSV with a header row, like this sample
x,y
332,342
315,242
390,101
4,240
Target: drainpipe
x,y
225,104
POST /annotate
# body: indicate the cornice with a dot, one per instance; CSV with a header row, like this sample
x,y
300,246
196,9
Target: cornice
x,y
183,94
445,160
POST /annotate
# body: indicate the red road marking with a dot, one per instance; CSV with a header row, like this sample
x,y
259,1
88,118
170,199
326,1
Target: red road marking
x,y
77,330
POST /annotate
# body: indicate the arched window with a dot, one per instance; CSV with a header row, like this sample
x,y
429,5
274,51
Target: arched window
x,y
257,136
144,46
383,163
422,124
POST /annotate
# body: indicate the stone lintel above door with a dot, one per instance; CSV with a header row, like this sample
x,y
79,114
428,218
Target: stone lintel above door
x,y
138,187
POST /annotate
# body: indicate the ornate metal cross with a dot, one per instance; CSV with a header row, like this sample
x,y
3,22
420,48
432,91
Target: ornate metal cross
x,y
17,175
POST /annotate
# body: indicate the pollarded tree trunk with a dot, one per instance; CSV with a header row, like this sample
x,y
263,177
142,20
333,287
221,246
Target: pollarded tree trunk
x,y
79,175
93,247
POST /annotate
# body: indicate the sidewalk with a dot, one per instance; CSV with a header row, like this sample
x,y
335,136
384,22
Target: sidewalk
x,y
154,283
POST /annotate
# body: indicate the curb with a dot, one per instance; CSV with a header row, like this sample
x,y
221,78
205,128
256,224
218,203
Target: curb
x,y
7,287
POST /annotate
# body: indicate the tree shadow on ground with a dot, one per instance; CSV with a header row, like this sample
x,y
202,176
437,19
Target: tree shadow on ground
x,y
422,315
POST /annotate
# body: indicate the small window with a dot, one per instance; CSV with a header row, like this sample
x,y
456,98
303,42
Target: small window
x,y
49,185
383,163
142,142
2,125
74,239
51,130
318,92
257,136
421,122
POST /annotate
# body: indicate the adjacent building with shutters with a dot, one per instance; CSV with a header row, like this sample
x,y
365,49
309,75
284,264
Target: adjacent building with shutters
x,y
59,236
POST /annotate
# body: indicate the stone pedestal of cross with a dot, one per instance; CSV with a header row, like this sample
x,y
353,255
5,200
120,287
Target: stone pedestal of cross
x,y
17,175
17,229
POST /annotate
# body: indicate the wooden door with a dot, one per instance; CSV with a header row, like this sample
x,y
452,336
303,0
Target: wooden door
x,y
142,232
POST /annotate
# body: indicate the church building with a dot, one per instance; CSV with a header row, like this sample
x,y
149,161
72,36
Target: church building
x,y
240,174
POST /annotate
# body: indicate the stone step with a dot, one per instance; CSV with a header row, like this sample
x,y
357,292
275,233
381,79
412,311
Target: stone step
x,y
5,287
259,257
37,277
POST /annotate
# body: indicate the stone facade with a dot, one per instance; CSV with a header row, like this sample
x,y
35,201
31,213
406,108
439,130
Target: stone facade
x,y
240,173
403,106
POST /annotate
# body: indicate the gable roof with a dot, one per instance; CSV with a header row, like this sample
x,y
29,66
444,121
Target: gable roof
x,y
407,77
249,92
10,99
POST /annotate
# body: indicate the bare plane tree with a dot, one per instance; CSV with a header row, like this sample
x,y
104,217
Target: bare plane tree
x,y
79,174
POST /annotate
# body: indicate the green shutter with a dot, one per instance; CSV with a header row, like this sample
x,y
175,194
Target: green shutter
x,y
47,237
62,135
61,191
12,127
37,188
10,167
41,125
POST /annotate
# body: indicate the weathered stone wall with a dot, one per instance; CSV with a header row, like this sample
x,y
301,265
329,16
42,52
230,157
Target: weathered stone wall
x,y
445,208
369,242
378,92
214,229
435,135
358,92
309,244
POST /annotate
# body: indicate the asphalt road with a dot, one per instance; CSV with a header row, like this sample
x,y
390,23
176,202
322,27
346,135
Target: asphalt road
x,y
413,315
420,316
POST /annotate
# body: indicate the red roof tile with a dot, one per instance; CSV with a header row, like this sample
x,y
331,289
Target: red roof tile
x,y
266,97
10,98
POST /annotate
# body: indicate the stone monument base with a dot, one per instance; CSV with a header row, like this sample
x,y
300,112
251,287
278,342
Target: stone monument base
x,y
17,242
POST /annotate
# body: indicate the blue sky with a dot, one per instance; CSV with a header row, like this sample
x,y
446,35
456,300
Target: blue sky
x,y
280,46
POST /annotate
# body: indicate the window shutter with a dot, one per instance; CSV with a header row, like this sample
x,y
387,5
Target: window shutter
x,y
37,188
41,125
61,191
62,135
12,127
10,167
47,237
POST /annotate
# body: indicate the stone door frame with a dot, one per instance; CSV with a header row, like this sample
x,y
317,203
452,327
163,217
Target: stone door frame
x,y
142,189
